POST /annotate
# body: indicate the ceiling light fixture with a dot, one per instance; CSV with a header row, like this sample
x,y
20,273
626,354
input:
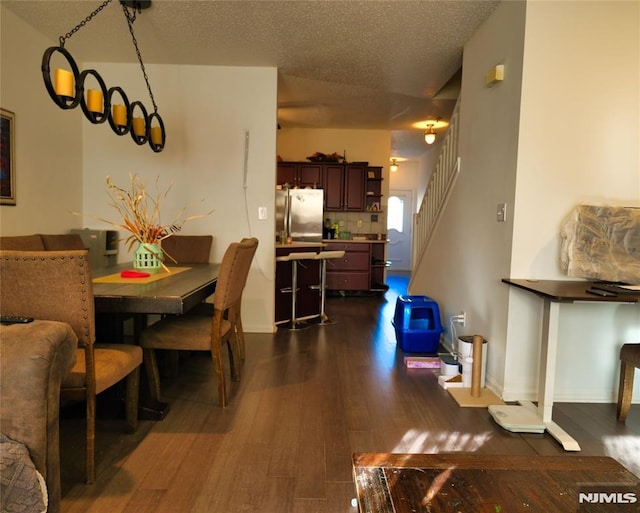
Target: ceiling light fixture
x,y
429,135
394,166
99,103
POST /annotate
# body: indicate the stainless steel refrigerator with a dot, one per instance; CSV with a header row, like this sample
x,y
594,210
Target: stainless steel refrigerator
x,y
299,214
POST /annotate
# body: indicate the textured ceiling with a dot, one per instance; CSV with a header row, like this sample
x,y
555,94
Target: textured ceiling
x,y
373,64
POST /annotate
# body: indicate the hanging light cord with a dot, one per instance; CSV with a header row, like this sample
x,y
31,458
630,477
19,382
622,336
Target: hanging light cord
x,y
82,23
131,17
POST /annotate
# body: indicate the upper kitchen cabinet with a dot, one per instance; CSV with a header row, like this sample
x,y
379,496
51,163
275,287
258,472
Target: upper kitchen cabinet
x,y
344,186
374,189
300,174
333,186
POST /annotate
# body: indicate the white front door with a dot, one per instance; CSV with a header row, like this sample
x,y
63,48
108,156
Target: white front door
x,y
399,227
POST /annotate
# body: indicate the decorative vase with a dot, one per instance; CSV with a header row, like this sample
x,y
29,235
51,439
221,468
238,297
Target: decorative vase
x,y
148,257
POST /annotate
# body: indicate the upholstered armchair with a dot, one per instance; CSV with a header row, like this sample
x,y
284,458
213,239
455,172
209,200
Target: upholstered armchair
x,y
57,286
34,359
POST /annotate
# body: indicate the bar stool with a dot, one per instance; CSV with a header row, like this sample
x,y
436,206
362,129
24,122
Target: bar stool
x,y
294,324
323,256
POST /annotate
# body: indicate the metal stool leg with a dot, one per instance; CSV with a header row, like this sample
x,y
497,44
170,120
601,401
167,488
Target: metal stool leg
x,y
294,324
324,318
324,256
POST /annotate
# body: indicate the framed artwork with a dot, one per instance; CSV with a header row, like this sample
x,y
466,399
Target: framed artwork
x,y
7,158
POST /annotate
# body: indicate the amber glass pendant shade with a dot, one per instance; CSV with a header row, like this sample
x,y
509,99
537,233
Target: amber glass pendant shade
x,y
68,82
157,135
119,115
139,123
94,102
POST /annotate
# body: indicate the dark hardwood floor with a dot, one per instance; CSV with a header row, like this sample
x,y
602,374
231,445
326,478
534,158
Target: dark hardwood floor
x,y
306,401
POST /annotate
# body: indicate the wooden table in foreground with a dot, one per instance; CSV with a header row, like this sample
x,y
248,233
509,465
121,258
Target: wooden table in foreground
x,y
479,483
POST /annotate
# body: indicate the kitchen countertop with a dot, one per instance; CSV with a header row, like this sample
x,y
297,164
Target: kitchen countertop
x,y
297,244
323,243
372,241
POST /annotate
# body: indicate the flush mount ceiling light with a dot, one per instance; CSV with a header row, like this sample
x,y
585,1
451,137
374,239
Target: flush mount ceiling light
x,y
394,166
429,135
70,88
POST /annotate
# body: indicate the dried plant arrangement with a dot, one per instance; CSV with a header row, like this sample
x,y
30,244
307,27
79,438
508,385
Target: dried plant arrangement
x,y
140,212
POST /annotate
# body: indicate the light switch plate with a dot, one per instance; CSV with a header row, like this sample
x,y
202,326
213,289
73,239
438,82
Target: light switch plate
x,y
262,213
501,212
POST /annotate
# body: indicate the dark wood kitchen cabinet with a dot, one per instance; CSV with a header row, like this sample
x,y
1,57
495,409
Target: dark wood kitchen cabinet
x,y
351,272
361,269
344,186
374,189
300,174
333,186
379,264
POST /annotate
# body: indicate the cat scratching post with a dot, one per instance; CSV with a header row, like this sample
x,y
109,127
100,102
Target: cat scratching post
x,y
475,396
476,369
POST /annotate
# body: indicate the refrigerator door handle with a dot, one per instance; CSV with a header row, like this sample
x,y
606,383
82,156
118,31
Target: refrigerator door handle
x,y
287,215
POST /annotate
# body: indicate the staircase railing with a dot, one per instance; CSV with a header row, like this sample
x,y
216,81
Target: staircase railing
x,y
435,198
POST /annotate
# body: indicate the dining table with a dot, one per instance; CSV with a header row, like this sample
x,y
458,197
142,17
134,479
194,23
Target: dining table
x,y
173,290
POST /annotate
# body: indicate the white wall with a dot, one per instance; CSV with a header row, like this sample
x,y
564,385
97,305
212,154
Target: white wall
x,y
48,141
206,111
535,154
408,178
372,146
470,251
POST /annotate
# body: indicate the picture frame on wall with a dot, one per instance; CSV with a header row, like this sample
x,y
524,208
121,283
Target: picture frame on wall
x,y
7,158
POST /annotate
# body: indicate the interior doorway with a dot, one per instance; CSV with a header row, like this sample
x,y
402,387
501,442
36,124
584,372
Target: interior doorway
x,y
399,229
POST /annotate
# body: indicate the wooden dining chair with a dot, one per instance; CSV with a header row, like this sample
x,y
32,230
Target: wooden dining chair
x,y
201,332
62,241
187,249
21,243
236,311
57,286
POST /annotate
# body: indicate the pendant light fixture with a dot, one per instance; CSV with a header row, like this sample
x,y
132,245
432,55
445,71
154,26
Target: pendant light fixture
x,y
394,166
429,134
71,88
